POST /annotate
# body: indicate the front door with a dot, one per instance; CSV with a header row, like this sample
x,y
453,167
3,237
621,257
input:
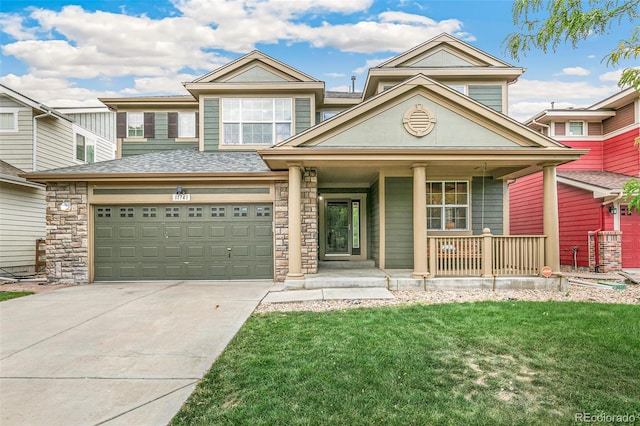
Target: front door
x,y
342,229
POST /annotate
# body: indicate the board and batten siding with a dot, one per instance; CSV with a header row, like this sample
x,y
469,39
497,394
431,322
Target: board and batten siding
x,y
302,114
491,215
490,96
399,223
22,222
102,124
16,147
161,141
211,127
373,222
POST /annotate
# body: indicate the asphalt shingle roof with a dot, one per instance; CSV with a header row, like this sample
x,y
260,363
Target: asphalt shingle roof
x,y
606,180
8,169
174,161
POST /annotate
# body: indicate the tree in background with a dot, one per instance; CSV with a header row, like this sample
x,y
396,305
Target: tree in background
x,y
544,25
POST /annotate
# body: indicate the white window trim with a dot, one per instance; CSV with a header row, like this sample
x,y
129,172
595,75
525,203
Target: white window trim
x,y
568,128
89,140
274,122
15,112
181,135
128,116
443,205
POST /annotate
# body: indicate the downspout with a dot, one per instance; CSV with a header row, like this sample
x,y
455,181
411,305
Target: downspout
x,y
35,140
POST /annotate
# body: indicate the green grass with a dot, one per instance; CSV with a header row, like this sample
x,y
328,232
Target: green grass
x,y
512,363
6,295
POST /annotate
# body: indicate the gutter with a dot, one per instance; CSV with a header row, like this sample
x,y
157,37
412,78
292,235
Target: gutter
x,y
35,137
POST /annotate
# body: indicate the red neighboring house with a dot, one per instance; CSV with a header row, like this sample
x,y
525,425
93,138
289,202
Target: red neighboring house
x,y
590,199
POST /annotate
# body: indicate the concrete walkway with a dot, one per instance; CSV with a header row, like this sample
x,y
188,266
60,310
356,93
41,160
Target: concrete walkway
x,y
328,294
114,353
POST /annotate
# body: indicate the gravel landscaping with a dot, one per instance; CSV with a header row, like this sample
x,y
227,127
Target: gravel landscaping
x,y
576,293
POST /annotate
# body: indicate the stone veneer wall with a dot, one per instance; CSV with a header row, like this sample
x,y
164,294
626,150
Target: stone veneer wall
x,y
67,234
309,199
609,251
309,209
281,227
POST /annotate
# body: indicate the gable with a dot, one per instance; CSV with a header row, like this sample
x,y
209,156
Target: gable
x,y
386,129
442,58
254,74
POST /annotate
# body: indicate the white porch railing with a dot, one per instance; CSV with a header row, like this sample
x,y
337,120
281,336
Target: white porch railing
x,y
486,255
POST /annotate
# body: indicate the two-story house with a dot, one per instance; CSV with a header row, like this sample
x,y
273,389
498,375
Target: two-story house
x,y
592,204
35,137
259,172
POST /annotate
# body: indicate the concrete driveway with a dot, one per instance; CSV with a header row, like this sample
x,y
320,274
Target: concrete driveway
x,y
115,353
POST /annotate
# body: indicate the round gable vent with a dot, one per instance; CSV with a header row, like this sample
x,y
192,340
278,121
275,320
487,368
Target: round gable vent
x,y
419,120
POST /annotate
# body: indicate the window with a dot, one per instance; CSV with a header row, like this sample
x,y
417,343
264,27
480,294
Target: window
x,y
8,119
576,128
187,125
85,149
255,121
135,125
448,205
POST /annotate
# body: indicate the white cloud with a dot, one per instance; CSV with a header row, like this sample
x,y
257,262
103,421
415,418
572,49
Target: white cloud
x,y
335,74
13,25
579,71
529,97
370,64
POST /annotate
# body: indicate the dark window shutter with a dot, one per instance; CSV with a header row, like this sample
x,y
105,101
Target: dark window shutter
x,y
172,130
149,125
121,125
197,124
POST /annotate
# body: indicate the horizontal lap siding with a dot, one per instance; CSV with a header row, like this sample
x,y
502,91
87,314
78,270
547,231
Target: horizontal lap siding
x,y
22,222
55,144
374,222
303,114
490,96
621,155
399,223
16,147
624,117
161,141
211,131
579,214
525,204
593,160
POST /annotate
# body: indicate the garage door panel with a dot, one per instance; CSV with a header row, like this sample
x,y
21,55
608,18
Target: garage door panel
x,y
150,232
150,253
104,232
127,253
240,231
183,242
218,231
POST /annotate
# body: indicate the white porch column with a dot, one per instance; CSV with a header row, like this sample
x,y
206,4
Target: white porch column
x,y
551,226
295,223
419,221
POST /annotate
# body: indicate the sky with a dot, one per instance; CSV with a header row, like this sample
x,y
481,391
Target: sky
x,y
70,53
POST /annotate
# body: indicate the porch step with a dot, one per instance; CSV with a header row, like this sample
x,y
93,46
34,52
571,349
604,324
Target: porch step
x,y
346,264
345,282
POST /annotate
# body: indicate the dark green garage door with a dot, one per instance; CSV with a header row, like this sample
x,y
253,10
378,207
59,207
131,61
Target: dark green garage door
x,y
196,242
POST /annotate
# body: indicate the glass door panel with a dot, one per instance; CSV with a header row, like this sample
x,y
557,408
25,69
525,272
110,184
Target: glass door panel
x,y
338,227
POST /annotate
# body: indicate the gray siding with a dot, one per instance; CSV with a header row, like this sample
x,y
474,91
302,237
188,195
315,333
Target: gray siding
x,y
490,96
22,222
16,147
211,131
55,143
374,222
101,123
303,114
161,141
399,223
493,196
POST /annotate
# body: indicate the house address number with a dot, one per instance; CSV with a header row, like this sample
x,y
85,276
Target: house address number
x,y
181,197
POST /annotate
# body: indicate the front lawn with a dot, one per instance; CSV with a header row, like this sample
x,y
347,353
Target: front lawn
x,y
473,363
6,295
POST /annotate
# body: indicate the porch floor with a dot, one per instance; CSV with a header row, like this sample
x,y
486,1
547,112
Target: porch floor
x,y
366,275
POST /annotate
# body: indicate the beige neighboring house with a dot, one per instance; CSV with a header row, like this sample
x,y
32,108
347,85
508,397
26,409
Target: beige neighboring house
x,y
33,138
258,172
